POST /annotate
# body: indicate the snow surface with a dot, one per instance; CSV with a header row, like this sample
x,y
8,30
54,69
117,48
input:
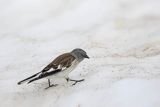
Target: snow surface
x,y
122,37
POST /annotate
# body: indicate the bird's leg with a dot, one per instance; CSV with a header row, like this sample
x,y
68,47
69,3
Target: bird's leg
x,y
50,85
75,81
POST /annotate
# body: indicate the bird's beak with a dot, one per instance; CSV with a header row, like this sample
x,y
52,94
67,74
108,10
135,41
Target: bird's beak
x,y
86,56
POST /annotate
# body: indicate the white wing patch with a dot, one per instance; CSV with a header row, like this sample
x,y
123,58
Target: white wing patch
x,y
60,67
65,71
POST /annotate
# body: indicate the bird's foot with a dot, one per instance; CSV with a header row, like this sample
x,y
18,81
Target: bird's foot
x,y
76,81
52,85
67,79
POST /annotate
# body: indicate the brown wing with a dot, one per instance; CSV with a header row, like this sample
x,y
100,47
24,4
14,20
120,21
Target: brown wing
x,y
62,61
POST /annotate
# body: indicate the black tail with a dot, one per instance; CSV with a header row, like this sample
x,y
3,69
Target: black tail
x,y
34,79
20,82
45,74
41,75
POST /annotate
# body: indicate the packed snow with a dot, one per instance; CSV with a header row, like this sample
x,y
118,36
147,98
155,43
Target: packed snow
x,y
122,38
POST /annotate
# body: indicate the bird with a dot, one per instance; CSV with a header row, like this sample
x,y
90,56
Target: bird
x,y
61,67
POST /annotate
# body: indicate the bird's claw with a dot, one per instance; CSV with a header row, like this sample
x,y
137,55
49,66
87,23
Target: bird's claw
x,y
53,85
76,81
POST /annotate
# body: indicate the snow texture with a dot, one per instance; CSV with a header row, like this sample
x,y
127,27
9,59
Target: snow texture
x,y
122,38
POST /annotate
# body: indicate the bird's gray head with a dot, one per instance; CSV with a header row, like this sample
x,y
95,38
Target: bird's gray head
x,y
79,54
